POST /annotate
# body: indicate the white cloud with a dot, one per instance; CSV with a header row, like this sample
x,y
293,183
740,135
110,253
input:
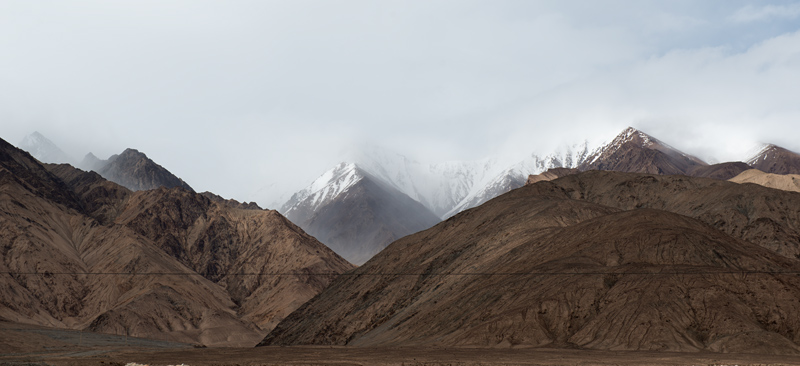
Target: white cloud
x,y
232,94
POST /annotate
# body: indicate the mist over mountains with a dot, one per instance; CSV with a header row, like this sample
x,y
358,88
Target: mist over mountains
x,y
446,189
360,206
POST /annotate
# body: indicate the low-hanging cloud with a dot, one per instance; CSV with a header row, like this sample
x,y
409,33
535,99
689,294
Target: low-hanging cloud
x,y
233,96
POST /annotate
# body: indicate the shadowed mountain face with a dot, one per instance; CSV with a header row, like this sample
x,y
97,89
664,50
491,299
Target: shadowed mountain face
x,y
721,171
777,160
135,171
599,260
358,215
81,252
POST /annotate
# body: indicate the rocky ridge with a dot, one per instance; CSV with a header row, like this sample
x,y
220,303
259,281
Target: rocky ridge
x,y
135,171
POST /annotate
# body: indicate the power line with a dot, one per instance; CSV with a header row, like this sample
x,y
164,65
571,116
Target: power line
x,y
398,274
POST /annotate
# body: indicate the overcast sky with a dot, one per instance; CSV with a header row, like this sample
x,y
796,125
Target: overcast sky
x,y
235,95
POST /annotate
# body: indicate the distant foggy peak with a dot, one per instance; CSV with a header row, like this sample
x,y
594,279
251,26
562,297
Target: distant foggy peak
x,y
43,149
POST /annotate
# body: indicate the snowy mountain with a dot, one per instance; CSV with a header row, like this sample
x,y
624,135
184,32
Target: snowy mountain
x,y
322,191
444,188
360,206
515,176
355,213
448,188
43,149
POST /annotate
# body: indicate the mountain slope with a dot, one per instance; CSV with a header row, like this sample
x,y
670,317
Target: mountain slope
x,y
637,152
516,175
219,242
761,215
721,171
544,265
775,159
356,214
135,171
786,182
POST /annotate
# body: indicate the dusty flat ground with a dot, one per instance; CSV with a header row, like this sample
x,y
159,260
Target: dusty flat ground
x,y
30,345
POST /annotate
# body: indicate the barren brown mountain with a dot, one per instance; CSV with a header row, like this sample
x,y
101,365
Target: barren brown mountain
x,y
786,182
592,260
637,152
135,171
80,252
777,160
229,245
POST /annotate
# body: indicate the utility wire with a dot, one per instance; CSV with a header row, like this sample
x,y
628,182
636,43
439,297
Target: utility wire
x,y
397,274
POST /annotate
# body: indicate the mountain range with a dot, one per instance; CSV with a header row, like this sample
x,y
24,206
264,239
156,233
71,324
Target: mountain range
x,y
81,252
593,260
448,188
359,207
651,255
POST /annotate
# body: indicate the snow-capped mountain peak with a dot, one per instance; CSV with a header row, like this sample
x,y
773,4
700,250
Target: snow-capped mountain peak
x,y
504,180
325,188
628,135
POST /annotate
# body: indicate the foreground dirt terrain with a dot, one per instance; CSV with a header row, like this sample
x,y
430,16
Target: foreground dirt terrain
x,y
32,345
